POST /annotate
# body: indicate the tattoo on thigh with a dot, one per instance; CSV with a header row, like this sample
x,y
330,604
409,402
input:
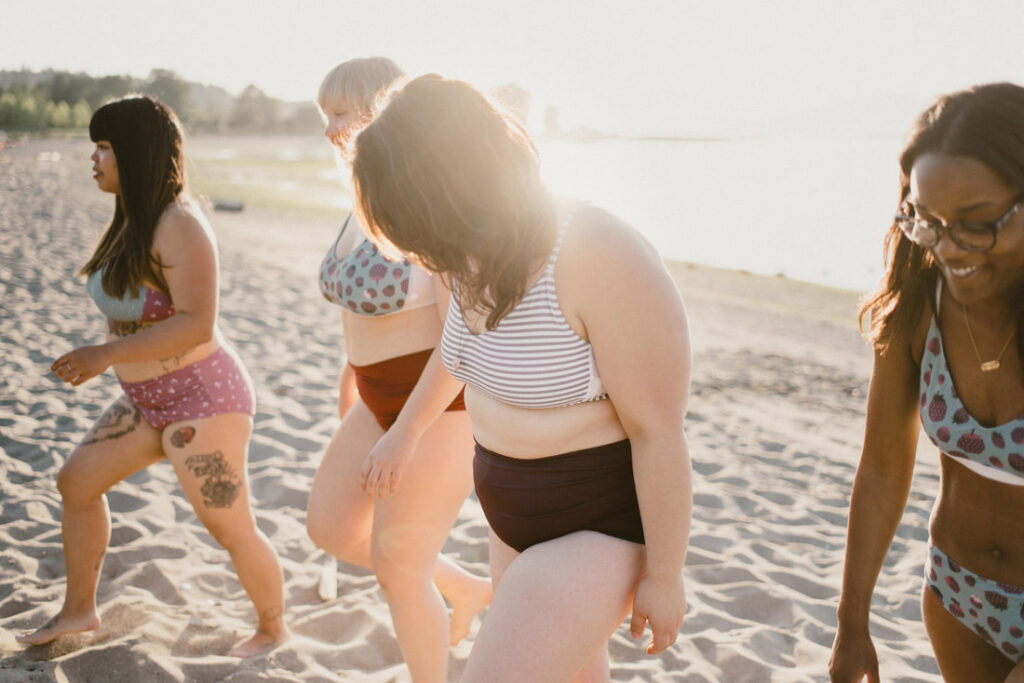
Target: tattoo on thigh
x,y
182,436
122,417
222,482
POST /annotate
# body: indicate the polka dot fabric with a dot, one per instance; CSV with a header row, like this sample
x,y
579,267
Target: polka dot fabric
x,y
365,281
215,385
950,427
992,610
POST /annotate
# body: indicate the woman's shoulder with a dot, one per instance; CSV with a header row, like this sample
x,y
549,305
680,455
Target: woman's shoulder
x,y
595,235
182,220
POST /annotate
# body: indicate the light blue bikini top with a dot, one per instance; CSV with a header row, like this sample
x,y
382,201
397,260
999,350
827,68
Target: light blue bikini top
x,y
149,305
367,283
993,452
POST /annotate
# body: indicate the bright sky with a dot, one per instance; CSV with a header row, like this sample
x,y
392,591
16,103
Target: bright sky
x,y
680,67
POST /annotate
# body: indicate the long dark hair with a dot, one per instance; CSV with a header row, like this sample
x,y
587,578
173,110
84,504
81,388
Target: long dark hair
x,y
449,176
985,123
147,142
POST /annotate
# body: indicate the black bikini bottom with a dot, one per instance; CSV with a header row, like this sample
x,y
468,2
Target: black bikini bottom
x,y
529,501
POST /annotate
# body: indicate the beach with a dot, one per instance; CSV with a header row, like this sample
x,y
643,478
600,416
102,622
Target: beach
x,y
775,422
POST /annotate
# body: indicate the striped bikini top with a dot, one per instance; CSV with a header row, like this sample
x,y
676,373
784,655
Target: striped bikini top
x,y
992,452
532,359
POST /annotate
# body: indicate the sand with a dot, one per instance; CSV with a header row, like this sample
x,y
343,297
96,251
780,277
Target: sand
x,y
775,423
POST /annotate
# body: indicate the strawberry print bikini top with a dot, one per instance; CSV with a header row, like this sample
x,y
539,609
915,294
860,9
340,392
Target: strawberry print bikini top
x,y
367,283
993,452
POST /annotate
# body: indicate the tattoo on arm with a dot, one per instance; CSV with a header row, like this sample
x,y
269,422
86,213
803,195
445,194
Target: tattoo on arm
x,y
122,418
124,328
222,482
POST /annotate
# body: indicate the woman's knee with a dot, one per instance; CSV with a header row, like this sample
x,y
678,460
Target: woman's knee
x,y
396,568
74,487
232,532
320,532
332,535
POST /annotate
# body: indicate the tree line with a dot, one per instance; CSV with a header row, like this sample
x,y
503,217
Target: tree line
x,y
61,100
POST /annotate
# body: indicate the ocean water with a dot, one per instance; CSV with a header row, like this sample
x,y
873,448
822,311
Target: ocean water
x,y
811,209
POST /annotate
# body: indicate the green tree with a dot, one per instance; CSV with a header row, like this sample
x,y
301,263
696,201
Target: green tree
x,y
81,114
253,110
171,89
28,113
9,109
108,88
57,115
67,87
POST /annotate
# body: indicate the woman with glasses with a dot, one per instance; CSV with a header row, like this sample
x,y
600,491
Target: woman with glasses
x,y
576,382
947,325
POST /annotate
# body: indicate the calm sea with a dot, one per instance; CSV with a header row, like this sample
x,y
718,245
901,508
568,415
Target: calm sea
x,y
809,209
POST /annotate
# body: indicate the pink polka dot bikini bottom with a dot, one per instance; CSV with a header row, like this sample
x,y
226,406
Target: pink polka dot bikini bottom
x,y
211,386
992,610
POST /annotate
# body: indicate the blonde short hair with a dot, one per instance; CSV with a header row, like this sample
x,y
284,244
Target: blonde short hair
x,y
358,82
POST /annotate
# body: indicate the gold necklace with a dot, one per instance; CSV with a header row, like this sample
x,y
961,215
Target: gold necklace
x,y
986,365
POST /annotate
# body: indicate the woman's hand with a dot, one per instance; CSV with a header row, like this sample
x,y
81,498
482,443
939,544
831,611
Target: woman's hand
x,y
82,364
661,604
853,658
382,468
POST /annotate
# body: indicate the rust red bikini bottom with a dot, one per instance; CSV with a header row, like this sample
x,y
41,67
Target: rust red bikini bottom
x,y
385,386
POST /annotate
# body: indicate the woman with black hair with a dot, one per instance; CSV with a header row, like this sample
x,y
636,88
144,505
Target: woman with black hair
x,y
187,397
948,329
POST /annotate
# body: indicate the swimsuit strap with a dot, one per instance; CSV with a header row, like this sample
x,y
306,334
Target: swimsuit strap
x,y
334,247
562,229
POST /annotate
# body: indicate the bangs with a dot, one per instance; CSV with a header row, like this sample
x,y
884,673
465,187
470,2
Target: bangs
x,y
335,91
357,83
102,125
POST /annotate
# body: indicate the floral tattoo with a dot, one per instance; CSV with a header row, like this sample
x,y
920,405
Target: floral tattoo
x,y
222,482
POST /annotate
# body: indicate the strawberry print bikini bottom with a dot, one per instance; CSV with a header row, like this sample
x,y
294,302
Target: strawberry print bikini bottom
x,y
992,610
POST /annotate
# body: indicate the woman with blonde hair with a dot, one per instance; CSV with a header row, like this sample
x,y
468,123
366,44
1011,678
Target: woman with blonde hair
x,y
576,380
186,398
391,315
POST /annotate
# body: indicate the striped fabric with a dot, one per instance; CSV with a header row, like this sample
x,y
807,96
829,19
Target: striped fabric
x,y
532,359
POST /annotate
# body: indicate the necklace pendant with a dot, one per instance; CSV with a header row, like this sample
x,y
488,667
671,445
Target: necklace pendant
x,y
990,365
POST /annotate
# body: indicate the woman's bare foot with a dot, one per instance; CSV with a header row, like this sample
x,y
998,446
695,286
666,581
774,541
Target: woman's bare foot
x,y
467,605
260,642
59,625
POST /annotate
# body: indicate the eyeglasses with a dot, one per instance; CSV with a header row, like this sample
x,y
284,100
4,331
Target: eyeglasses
x,y
969,235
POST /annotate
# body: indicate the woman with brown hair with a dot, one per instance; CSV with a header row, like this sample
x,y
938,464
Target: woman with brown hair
x,y
576,382
948,329
391,313
187,397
